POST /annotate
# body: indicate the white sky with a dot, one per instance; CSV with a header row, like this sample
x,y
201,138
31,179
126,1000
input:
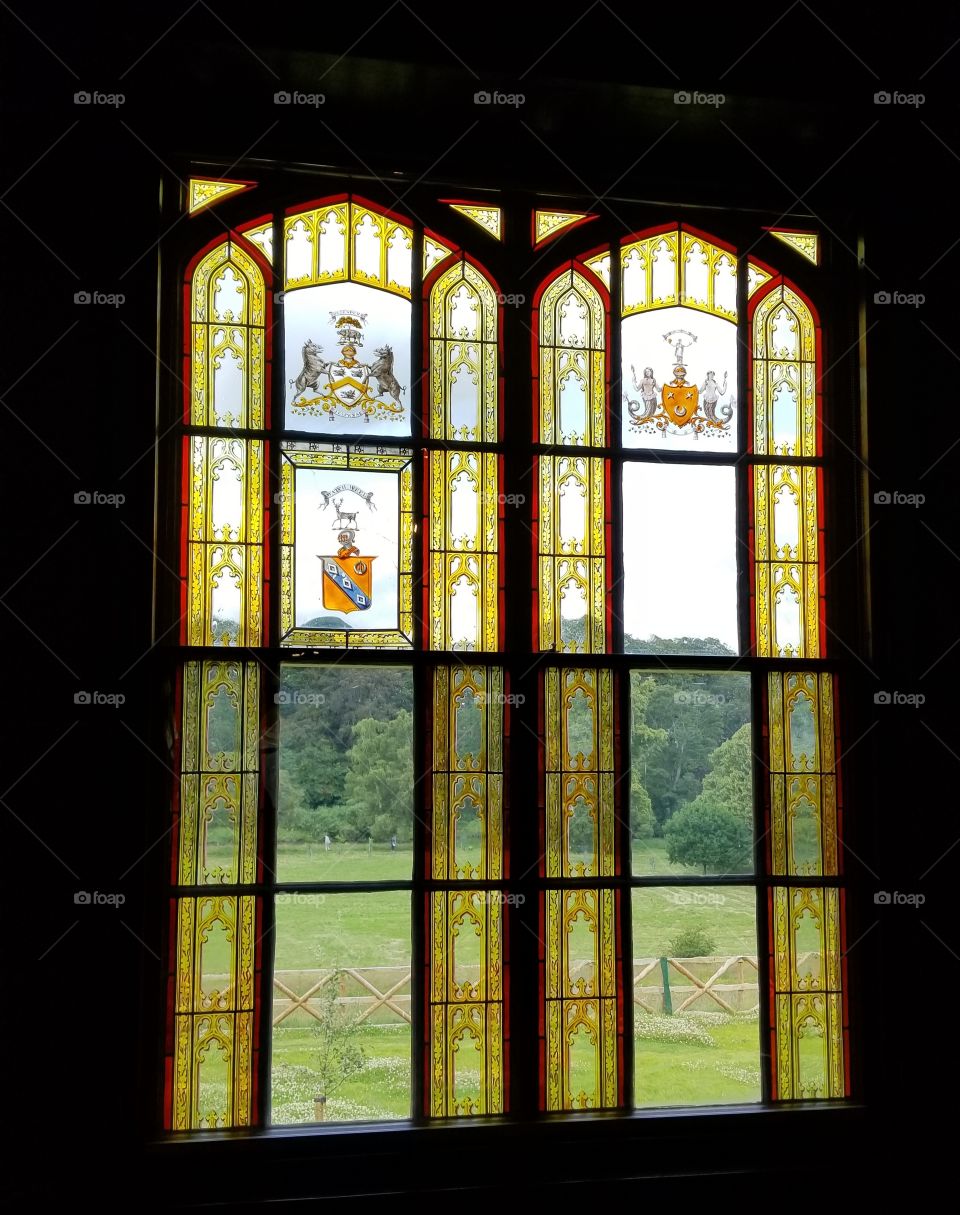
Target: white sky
x,y
680,562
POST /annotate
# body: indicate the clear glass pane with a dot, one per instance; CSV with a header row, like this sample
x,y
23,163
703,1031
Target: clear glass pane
x,y
341,1008
346,774
691,773
679,559
696,996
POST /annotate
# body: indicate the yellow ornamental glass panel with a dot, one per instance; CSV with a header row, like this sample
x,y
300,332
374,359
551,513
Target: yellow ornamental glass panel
x,y
548,224
227,339
787,561
572,554
213,1020
807,244
708,277
579,821
785,386
434,251
580,1016
224,541
649,273
756,277
467,766
809,1031
600,265
463,372
346,546
466,1003
347,240
803,780
316,246
678,268
466,1017
220,764
572,362
262,236
488,218
464,525
206,192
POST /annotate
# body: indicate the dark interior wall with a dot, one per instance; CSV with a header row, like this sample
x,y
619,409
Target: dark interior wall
x,y
799,132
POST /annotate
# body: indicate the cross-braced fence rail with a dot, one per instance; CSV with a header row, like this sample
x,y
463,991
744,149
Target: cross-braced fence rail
x,y
381,994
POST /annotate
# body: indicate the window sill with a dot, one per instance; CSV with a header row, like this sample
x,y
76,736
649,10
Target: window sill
x,y
601,1149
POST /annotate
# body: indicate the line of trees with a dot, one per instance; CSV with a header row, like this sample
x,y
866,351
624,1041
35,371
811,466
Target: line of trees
x,y
346,766
346,755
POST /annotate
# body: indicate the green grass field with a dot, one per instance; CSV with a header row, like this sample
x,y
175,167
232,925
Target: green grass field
x,y
698,1056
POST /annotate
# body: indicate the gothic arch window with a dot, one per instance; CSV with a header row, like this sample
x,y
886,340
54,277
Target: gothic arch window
x,y
440,848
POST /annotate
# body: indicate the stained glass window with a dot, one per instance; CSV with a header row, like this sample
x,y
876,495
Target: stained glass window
x,y
354,503
699,575
506,756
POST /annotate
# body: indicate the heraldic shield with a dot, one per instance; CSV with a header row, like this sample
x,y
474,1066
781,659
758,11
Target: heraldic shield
x,y
680,401
347,583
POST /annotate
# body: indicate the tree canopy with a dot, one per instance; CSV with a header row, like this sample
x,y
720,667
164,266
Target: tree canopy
x,y
346,752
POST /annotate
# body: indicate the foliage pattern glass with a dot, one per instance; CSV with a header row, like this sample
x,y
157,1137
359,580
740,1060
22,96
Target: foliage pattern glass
x,y
227,352
467,1013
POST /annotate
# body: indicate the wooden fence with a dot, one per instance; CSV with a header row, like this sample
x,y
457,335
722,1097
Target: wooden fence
x,y
381,994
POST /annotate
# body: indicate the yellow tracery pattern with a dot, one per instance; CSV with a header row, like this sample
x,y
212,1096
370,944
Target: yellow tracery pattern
x,y
225,542
572,361
220,764
464,382
213,1022
803,781
488,218
807,244
466,987
581,1008
784,375
578,711
549,223
347,241
464,526
787,561
678,268
809,1030
205,191
572,547
227,339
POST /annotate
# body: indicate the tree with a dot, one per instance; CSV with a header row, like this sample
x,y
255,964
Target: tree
x,y
716,829
643,822
379,780
679,719
708,836
294,821
339,1056
729,783
317,768
646,741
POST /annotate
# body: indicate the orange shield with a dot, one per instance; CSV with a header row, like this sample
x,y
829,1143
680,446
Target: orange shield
x,y
347,583
680,402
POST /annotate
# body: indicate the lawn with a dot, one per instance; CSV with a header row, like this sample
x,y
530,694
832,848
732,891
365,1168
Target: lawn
x,y
362,929
700,1056
343,863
